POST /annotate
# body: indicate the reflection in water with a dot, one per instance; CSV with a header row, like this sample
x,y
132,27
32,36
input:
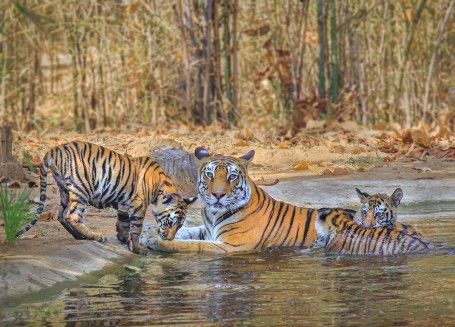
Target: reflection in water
x,y
364,296
277,287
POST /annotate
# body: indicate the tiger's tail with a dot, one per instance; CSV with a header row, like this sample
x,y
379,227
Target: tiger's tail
x,y
43,184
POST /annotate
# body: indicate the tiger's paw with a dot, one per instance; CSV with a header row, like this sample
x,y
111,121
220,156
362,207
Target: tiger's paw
x,y
122,237
100,238
135,247
151,242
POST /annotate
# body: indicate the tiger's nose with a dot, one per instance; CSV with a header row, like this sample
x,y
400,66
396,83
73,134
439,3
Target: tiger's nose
x,y
218,195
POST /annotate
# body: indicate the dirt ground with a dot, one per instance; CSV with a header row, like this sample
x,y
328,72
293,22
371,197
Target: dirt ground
x,y
47,254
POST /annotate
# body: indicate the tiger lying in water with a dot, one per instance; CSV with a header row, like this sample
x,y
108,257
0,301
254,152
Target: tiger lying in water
x,y
91,174
341,235
380,210
238,216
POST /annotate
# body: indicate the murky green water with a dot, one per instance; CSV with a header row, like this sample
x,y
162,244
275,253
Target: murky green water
x,y
275,288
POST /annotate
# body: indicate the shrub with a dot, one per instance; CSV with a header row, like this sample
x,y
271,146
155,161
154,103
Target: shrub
x,y
15,207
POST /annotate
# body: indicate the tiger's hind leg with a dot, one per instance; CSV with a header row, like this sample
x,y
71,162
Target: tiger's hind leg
x,y
64,201
122,226
74,217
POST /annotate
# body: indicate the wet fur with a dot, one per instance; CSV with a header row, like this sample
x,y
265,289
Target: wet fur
x,y
341,235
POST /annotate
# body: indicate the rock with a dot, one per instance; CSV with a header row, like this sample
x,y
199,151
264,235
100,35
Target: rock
x,y
180,166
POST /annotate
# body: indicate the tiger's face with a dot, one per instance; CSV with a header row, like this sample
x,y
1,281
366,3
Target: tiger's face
x,y
378,209
170,213
223,181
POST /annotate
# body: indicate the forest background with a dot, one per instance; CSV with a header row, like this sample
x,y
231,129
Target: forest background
x,y
268,65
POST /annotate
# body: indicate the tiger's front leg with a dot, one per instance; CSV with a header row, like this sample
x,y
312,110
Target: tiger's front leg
x,y
197,246
136,216
122,226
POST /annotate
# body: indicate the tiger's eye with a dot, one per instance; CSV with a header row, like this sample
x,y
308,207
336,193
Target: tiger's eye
x,y
209,174
232,177
379,214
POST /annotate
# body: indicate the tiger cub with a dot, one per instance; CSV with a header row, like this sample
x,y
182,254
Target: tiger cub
x,y
342,235
91,174
380,210
238,215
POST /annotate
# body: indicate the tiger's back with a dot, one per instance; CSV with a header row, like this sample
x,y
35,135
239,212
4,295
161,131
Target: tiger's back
x,y
343,236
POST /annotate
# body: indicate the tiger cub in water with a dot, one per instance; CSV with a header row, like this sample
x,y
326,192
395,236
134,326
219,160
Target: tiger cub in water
x,y
339,234
91,174
380,210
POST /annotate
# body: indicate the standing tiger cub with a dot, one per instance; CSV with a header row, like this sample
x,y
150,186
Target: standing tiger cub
x,y
238,215
381,210
91,174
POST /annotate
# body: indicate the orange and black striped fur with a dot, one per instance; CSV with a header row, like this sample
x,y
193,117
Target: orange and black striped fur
x,y
381,210
238,215
341,235
91,174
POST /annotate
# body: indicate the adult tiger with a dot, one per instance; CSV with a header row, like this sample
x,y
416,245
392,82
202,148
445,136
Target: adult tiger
x,y
91,174
380,210
238,215
341,235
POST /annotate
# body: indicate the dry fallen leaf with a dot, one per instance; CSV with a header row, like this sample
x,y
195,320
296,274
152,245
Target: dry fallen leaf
x,y
338,149
46,216
335,172
327,172
36,161
245,134
420,137
241,143
283,146
340,171
302,166
358,150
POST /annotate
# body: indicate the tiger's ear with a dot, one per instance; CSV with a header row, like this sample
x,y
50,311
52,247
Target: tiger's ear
x,y
362,196
201,153
396,197
247,158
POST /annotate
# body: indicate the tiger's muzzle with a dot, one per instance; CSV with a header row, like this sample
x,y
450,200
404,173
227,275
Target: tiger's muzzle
x,y
369,220
168,233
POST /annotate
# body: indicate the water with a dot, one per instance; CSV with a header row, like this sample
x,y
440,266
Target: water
x,y
275,288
